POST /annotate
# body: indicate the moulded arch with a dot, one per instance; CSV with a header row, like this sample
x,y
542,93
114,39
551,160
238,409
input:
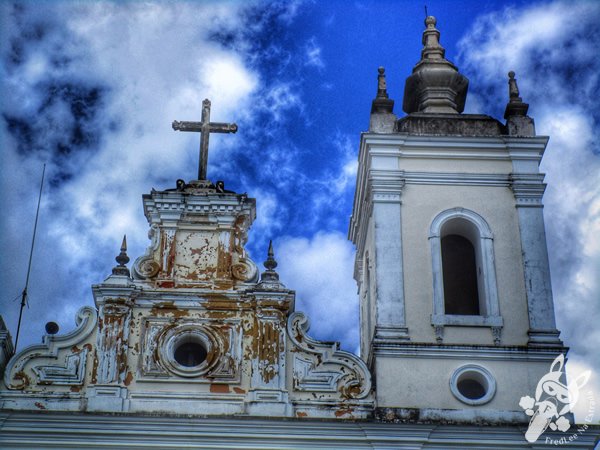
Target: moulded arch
x,y
460,213
479,232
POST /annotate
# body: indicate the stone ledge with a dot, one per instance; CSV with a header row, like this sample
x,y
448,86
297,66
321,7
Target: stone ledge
x,y
450,124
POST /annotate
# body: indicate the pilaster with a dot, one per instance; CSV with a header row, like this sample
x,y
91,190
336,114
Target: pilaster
x,y
114,300
390,320
528,190
268,395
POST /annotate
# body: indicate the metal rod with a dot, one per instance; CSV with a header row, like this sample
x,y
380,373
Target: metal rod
x,y
24,294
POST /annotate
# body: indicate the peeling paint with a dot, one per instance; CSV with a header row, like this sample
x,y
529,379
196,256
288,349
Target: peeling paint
x,y
128,379
23,381
219,388
344,412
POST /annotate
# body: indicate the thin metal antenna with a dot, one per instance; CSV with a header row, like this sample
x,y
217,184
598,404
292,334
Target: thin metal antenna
x,y
24,294
426,15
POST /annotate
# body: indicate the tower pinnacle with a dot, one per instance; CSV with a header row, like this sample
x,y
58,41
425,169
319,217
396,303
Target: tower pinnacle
x,y
382,102
515,106
122,259
435,85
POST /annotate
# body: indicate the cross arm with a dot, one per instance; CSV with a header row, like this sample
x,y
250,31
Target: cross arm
x,y
217,127
214,127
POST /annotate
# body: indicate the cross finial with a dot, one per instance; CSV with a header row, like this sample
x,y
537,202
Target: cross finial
x,y
205,127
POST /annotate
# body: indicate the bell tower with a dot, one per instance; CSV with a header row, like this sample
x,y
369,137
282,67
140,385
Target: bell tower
x,y
451,263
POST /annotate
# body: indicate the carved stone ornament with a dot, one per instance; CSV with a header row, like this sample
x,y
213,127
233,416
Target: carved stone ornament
x,y
244,269
322,367
497,335
60,360
145,266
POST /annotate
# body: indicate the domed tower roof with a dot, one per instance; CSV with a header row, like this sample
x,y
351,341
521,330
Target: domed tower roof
x,y
435,85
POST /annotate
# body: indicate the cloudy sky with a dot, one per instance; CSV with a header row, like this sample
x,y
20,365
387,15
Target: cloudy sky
x,y
91,88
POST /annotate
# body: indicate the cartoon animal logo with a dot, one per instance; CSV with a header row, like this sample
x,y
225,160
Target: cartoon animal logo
x,y
553,399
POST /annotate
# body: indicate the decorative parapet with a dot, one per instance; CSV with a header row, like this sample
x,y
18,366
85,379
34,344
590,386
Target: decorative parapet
x,y
61,360
325,377
197,239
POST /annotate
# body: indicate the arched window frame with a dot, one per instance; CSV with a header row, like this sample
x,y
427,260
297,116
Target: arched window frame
x,y
484,248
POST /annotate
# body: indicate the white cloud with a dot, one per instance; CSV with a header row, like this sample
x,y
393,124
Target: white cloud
x,y
151,63
588,394
313,54
320,269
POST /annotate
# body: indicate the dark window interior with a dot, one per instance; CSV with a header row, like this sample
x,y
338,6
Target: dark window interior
x,y
472,389
190,354
461,295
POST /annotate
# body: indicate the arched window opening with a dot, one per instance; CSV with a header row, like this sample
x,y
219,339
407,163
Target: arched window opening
x,y
464,278
459,269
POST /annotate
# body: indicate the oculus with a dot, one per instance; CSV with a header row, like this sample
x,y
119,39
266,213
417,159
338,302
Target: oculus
x,y
190,350
473,384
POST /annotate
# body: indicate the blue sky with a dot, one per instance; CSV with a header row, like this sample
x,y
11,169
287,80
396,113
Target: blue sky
x,y
91,89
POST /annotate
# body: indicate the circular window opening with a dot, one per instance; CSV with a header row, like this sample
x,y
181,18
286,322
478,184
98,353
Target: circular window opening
x,y
472,389
473,385
190,351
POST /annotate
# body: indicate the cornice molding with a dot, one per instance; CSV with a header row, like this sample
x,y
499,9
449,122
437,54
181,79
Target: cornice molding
x,y
389,429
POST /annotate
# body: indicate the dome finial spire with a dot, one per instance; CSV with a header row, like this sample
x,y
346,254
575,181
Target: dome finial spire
x,y
435,85
432,48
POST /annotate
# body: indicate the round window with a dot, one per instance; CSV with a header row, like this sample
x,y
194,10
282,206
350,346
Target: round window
x,y
190,351
473,385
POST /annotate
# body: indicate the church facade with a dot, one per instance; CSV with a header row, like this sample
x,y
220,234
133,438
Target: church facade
x,y
195,346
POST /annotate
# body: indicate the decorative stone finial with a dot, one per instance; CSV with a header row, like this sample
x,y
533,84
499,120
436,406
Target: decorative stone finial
x,y
431,41
381,84
515,106
518,123
122,259
435,85
270,263
513,89
269,276
382,102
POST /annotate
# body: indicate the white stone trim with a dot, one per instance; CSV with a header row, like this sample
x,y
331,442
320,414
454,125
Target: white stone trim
x,y
489,291
106,431
479,373
461,352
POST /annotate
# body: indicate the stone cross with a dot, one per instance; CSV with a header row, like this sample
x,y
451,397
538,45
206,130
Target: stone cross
x,y
205,127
